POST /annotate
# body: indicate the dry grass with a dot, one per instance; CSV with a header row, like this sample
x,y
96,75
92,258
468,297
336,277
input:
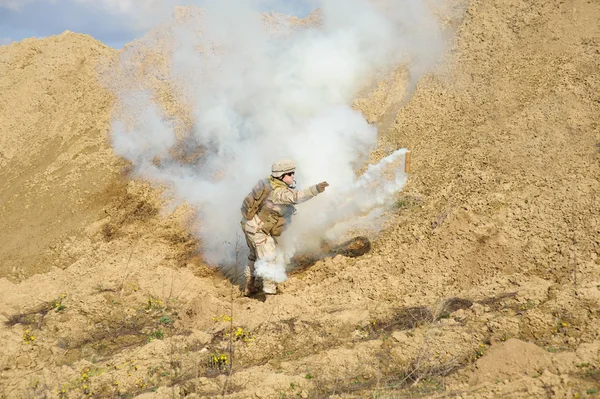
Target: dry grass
x,y
35,316
424,374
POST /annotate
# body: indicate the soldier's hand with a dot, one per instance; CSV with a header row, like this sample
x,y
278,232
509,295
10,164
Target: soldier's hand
x,y
321,186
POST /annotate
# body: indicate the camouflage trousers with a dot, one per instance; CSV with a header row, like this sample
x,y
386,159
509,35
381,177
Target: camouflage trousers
x,y
262,247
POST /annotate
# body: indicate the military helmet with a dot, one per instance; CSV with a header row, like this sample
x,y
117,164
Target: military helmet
x,y
282,167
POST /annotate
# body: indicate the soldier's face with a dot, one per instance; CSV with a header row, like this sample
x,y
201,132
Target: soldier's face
x,y
288,178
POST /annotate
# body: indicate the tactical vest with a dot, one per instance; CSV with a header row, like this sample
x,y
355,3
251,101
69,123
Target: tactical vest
x,y
272,222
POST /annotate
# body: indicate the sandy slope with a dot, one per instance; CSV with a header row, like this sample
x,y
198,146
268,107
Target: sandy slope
x,y
484,283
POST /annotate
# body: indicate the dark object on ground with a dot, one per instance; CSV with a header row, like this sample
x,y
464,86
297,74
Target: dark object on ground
x,y
358,246
352,248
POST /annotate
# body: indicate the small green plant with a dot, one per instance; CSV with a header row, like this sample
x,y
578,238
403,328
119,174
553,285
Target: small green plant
x,y
27,337
243,335
156,334
218,360
152,370
401,203
165,320
57,303
141,383
407,202
480,351
593,373
528,305
85,381
592,391
62,392
561,326
223,317
308,377
154,304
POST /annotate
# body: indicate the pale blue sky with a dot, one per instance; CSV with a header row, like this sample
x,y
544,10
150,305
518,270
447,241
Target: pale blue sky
x,y
114,22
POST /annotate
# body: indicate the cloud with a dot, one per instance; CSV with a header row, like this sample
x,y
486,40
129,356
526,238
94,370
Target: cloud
x,y
122,6
256,97
114,6
44,18
13,4
115,22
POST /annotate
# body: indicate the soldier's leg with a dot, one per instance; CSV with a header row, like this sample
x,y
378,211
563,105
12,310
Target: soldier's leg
x,y
252,285
266,251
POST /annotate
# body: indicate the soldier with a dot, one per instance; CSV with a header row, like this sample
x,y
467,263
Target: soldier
x,y
267,211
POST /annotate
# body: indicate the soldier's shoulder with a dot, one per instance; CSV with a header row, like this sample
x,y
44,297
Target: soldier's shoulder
x,y
282,191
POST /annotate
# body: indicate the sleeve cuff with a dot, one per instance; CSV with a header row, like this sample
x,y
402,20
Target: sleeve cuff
x,y
314,191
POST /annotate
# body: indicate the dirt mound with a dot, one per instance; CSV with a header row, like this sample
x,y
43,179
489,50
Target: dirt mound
x,y
522,369
55,156
484,282
512,359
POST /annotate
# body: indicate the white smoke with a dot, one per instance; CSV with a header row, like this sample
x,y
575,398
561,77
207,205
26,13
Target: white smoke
x,y
256,97
272,268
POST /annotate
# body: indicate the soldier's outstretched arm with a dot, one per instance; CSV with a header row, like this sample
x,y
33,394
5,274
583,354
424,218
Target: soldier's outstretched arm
x,y
291,196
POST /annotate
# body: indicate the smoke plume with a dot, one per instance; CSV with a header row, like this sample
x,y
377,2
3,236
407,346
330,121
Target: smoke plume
x,y
258,88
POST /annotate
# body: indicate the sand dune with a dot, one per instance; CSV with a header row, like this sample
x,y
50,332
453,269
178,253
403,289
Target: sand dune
x,y
484,282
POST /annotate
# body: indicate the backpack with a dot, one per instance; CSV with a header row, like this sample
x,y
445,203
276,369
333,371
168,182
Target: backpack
x,y
254,200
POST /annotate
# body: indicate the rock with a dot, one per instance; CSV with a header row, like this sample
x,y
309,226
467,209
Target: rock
x,y
478,309
400,336
23,362
201,337
459,315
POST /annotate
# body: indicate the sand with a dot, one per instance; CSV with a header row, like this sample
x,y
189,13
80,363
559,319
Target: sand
x,y
485,281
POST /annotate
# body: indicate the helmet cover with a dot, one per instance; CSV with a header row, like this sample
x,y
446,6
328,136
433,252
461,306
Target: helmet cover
x,y
282,167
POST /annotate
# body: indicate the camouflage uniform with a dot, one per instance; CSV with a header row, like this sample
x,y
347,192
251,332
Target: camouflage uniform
x,y
262,244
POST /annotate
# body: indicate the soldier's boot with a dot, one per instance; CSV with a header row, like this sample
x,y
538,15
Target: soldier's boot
x,y
252,283
269,287
251,288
